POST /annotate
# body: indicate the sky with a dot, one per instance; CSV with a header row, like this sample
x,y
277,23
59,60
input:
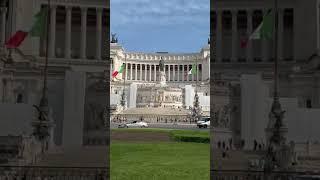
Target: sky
x,y
174,26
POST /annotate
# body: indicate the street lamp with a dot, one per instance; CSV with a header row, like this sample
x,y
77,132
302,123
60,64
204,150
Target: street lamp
x,y
42,125
196,110
123,95
277,154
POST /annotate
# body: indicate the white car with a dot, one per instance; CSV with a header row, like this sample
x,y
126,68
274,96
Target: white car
x,y
136,124
204,123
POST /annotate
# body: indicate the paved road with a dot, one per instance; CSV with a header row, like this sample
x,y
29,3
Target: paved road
x,y
167,126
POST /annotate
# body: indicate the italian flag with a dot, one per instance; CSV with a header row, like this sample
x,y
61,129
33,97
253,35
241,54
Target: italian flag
x,y
37,30
115,73
263,31
193,69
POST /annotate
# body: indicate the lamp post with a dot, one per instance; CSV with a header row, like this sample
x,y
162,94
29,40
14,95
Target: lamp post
x,y
196,110
123,95
277,154
42,125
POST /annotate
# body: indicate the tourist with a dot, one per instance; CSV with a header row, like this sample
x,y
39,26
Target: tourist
x,y
255,144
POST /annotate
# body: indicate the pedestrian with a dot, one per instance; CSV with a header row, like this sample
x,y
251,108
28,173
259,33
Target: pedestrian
x,y
219,144
260,147
255,144
223,145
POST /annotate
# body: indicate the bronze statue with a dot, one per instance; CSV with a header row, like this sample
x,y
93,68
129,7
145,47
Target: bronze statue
x,y
114,39
161,64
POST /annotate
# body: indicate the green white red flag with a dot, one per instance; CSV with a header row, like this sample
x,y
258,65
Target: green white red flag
x,y
263,31
37,30
193,69
115,73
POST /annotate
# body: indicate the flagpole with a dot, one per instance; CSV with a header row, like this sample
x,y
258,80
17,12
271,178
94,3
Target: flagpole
x,y
43,108
276,94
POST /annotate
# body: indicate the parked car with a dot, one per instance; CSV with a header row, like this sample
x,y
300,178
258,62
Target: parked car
x,y
134,124
204,122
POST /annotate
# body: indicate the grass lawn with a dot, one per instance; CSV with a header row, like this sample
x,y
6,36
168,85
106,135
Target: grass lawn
x,y
160,160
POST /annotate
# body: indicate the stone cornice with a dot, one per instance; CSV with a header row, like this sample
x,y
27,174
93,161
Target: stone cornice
x,y
68,62
80,3
249,5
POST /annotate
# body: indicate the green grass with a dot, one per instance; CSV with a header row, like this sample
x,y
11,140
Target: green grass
x,y
159,161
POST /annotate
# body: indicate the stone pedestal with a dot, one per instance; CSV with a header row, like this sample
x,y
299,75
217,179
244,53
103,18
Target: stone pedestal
x,y
133,95
163,79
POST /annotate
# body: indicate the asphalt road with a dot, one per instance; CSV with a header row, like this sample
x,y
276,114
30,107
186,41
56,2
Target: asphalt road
x,y
167,126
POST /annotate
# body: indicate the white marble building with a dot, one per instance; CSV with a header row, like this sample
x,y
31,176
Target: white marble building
x,y
249,69
143,70
77,61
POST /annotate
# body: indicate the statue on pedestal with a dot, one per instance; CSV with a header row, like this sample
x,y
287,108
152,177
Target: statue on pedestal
x,y
114,39
162,73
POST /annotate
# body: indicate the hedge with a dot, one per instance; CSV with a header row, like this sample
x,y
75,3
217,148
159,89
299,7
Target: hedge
x,y
197,138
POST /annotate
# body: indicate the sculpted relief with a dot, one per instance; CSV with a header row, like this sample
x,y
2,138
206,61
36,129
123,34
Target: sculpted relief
x,y
94,114
222,116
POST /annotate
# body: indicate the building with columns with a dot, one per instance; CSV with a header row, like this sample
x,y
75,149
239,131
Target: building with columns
x,y
248,67
143,70
77,66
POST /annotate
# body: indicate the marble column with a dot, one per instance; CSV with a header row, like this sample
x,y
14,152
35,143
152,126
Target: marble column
x,y
67,49
174,72
188,69
178,78
249,31
234,55
155,73
52,42
140,65
198,72
83,50
264,44
3,24
183,73
145,72
150,72
219,35
136,72
280,34
169,69
131,69
99,34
